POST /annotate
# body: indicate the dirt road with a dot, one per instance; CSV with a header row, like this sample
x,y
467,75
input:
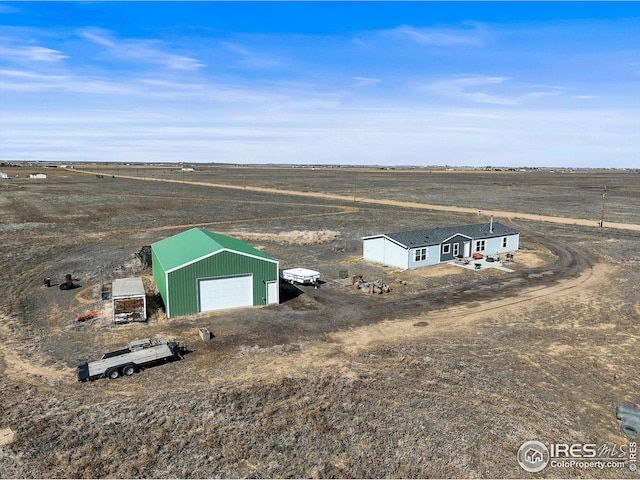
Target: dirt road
x,y
396,203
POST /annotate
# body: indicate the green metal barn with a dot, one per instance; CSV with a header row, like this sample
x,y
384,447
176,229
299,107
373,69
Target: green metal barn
x,y
201,271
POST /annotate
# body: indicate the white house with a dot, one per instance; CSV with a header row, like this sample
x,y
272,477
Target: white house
x,y
37,175
421,248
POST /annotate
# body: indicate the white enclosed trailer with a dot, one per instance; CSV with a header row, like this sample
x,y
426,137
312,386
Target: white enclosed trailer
x,y
127,361
129,300
301,275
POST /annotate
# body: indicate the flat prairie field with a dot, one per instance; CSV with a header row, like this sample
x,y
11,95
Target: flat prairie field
x,y
445,376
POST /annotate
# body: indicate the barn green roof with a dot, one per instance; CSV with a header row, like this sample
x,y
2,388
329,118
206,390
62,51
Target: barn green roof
x,y
192,245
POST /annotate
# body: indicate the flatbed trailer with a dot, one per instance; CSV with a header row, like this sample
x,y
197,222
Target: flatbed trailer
x,y
303,276
129,360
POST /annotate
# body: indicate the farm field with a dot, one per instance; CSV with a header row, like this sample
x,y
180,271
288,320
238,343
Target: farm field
x,y
445,376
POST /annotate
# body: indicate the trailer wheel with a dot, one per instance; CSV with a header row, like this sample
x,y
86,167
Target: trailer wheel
x,y
129,370
113,373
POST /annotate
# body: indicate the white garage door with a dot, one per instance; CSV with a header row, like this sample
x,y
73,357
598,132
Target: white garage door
x,y
225,292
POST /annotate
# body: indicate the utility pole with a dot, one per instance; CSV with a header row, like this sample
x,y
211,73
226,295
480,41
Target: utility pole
x,y
604,202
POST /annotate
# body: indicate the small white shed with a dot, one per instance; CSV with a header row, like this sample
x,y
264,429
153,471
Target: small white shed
x,y
129,300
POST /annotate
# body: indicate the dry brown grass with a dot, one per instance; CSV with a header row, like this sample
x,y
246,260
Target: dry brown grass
x,y
444,377
295,237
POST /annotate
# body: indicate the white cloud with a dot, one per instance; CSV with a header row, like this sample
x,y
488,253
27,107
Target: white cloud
x,y
98,36
441,37
496,90
479,80
319,102
542,94
12,80
301,131
251,58
32,53
20,81
466,88
150,51
21,75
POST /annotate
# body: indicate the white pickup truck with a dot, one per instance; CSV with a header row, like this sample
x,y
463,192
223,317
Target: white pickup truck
x,y
138,354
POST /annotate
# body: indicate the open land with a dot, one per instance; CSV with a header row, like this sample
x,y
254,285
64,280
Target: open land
x,y
446,376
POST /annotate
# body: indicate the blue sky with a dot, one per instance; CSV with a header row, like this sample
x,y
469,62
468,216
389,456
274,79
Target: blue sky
x,y
384,83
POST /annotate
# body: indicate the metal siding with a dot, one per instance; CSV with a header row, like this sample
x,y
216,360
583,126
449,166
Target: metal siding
x,y
159,277
182,292
183,283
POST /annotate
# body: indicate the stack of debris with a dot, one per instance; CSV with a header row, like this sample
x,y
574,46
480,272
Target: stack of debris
x,y
376,286
68,283
144,255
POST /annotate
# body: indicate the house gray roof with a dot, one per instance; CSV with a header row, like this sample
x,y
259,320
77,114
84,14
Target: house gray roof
x,y
435,236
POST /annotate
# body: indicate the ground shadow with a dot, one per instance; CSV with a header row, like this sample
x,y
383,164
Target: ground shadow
x,y
288,291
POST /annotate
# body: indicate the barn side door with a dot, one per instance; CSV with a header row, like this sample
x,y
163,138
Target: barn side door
x,y
273,293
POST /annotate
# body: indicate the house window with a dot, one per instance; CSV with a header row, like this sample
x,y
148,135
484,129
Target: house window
x,y
420,254
456,249
480,245
446,249
505,242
